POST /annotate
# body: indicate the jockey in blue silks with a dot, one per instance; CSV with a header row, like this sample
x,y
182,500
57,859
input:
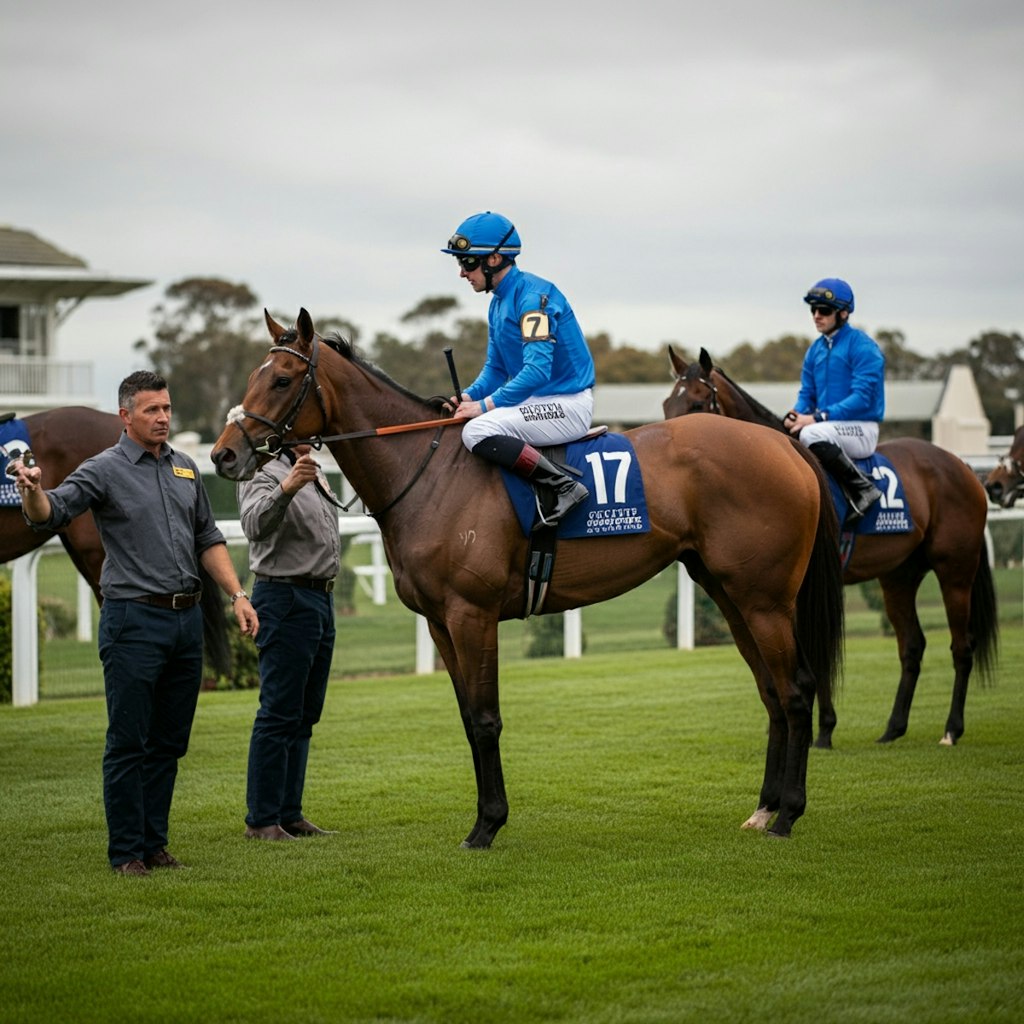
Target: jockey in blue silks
x,y
842,394
536,384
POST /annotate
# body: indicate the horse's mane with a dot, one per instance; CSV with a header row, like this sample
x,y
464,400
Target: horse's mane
x,y
761,412
346,350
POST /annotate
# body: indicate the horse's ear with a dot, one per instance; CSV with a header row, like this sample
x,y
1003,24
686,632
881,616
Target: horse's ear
x,y
276,330
677,361
705,361
304,323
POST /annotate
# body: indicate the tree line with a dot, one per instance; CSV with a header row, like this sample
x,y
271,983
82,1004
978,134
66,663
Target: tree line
x,y
208,333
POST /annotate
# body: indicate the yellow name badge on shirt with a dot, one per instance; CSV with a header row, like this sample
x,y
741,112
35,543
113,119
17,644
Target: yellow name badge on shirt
x,y
188,474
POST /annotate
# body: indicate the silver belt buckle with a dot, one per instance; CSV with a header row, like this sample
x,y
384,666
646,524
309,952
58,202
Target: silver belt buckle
x,y
175,598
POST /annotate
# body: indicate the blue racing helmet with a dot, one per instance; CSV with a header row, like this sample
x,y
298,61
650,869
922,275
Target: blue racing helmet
x,y
832,292
483,234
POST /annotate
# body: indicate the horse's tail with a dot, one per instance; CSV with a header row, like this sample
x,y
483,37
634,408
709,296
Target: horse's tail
x,y
216,648
984,620
820,609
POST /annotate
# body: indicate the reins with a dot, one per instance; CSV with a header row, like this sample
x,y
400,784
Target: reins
x,y
275,442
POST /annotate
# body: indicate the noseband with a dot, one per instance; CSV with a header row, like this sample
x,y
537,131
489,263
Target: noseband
x,y
275,441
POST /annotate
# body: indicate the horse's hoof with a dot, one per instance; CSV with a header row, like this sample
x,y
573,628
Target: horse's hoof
x,y
823,743
772,834
949,740
889,737
759,819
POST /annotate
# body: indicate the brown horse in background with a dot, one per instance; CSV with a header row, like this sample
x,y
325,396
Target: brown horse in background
x,y
1005,483
61,440
459,556
949,511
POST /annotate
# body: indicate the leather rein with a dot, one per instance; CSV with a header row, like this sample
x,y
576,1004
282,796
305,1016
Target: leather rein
x,y
275,442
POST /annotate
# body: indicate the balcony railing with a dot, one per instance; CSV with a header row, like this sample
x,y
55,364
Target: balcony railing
x,y
36,376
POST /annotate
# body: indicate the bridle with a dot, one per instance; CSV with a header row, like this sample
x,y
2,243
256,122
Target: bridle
x,y
713,405
1013,467
275,442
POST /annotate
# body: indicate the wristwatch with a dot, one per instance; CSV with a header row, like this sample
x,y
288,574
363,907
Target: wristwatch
x,y
237,594
820,416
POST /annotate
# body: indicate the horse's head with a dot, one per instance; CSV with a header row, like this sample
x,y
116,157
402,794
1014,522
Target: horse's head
x,y
283,398
693,390
1006,481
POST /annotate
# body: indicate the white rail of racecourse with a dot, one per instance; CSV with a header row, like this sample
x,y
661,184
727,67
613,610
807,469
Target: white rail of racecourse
x,y
363,529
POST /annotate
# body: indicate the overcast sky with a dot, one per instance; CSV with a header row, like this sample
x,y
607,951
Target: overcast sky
x,y
682,172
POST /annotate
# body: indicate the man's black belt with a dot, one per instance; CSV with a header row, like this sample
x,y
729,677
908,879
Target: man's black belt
x,y
177,602
308,582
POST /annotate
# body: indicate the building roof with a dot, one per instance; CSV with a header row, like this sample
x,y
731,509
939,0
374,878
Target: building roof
x,y
23,248
631,404
34,270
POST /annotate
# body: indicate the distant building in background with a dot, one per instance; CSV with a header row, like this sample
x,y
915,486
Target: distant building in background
x,y
40,286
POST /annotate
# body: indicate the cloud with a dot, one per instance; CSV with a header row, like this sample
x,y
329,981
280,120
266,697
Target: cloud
x,y
676,171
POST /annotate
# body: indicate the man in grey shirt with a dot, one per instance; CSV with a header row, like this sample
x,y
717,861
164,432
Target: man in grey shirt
x,y
294,553
155,520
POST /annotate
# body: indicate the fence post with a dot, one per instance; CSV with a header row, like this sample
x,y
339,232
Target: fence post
x,y
572,633
684,611
85,599
25,631
424,647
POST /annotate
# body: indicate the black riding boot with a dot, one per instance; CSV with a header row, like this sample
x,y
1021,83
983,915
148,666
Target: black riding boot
x,y
525,461
860,491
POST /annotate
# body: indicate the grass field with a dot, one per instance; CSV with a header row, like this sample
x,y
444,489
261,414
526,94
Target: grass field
x,y
622,890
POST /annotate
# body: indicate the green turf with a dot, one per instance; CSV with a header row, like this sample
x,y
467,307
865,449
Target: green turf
x,y
622,889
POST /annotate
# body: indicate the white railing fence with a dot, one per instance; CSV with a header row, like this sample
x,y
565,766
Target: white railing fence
x,y
362,529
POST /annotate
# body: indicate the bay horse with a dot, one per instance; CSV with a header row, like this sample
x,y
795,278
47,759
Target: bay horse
x,y
1005,483
949,511
61,440
458,553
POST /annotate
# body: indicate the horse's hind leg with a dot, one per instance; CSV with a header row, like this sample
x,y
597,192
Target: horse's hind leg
x,y
776,754
900,594
956,596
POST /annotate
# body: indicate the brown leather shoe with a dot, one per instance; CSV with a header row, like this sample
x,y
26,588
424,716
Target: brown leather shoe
x,y
271,832
304,828
131,867
162,860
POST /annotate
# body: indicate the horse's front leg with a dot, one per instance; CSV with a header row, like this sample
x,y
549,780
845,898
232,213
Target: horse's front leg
x,y
470,652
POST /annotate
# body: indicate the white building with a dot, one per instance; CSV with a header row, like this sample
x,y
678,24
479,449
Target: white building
x,y
40,286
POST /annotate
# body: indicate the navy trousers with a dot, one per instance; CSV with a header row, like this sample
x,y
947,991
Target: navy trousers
x,y
296,644
152,672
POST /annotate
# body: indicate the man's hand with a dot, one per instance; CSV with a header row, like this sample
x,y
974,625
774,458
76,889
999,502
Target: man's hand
x,y
301,474
795,421
245,615
28,481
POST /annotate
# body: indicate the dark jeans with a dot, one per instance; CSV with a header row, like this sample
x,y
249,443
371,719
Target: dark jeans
x,y
296,643
152,670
